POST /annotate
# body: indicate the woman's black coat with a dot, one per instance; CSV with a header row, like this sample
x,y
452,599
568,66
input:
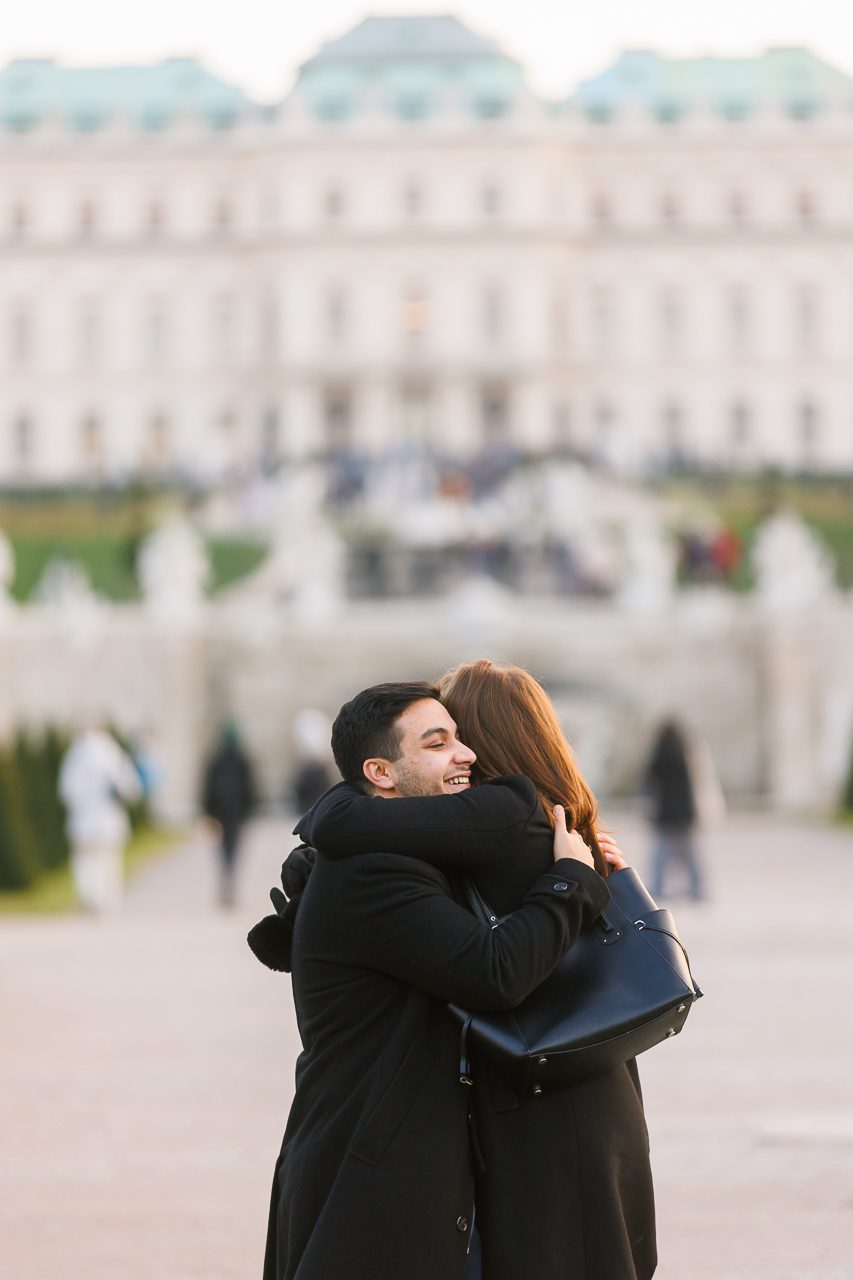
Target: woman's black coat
x,y
375,1179
567,1190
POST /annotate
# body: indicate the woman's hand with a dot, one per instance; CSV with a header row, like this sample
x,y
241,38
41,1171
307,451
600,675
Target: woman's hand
x,y
569,844
612,853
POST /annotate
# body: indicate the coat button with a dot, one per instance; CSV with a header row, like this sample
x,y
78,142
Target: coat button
x,y
561,886
461,1224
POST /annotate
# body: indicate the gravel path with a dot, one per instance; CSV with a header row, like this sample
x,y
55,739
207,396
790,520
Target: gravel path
x,y
146,1069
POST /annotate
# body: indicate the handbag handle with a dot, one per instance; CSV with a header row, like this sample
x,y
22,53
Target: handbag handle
x,y
655,928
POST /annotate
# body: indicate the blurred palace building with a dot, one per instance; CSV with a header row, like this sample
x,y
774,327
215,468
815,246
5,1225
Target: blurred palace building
x,y
412,246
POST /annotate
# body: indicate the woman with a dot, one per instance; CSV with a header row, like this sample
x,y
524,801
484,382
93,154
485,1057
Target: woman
x,y
566,1191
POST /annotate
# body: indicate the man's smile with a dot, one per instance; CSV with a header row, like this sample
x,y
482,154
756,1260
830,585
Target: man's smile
x,y
459,780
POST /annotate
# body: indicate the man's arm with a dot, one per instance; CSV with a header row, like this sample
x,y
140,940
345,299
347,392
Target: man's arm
x,y
404,922
469,831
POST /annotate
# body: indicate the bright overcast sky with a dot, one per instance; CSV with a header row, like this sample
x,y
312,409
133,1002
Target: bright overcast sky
x,y
258,45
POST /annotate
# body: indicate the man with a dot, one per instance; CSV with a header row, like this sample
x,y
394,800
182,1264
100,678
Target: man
x,y
375,1176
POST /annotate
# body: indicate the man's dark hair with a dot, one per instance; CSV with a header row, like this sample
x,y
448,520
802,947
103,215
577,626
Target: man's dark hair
x,y
366,726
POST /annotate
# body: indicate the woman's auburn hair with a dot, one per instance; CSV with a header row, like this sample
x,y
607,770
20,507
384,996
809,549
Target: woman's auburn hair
x,y
505,716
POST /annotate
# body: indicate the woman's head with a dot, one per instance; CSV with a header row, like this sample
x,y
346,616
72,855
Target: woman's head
x,y
507,718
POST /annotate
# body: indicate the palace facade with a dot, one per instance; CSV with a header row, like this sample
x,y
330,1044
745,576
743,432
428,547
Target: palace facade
x,y
413,247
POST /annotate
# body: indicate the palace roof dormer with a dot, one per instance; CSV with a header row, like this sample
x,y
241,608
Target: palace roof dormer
x,y
793,80
408,66
86,99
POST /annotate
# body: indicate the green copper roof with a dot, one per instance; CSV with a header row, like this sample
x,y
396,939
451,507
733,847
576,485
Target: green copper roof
x,y
794,79
35,89
405,64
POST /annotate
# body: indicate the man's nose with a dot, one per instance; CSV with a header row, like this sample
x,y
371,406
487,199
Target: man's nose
x,y
464,755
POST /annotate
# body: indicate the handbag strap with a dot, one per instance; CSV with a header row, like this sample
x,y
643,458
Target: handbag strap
x,y
654,928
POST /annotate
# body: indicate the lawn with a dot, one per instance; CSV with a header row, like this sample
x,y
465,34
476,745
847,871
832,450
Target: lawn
x,y
103,533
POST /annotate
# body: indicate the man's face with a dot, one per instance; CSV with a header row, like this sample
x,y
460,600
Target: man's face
x,y
432,760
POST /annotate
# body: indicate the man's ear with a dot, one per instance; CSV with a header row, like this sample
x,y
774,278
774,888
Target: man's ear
x,y
380,774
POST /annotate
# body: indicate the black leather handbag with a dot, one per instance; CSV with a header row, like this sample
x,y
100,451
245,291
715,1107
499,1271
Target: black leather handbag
x,y
623,986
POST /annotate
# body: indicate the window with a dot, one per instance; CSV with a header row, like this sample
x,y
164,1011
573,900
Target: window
x,y
155,220
270,450
415,403
88,333
336,313
414,317
333,204
805,208
670,210
156,333
672,420
269,330
738,209
805,319
807,421
671,319
603,322
23,439
602,211
740,424
337,418
494,312
495,414
19,221
87,220
413,199
491,199
21,335
91,440
159,442
222,325
739,319
223,217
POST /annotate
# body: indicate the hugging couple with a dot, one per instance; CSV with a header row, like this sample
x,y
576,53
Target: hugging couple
x,y
392,1168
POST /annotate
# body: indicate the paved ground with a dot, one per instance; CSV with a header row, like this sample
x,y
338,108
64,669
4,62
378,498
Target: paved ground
x,y
146,1067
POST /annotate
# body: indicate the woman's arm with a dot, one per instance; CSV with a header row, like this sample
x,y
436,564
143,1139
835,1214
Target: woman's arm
x,y
405,923
468,831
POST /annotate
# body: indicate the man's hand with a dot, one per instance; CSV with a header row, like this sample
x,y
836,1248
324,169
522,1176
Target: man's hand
x,y
612,853
569,844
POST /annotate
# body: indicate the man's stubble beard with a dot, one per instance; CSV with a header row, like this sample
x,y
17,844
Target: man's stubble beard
x,y
412,783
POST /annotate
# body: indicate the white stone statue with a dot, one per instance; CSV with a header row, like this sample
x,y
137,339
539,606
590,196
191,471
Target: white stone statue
x,y
65,589
174,569
792,565
648,585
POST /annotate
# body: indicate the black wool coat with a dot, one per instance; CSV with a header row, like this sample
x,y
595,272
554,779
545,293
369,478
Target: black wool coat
x,y
375,1179
567,1190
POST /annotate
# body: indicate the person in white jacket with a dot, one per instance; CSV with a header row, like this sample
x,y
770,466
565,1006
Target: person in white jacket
x,y
97,781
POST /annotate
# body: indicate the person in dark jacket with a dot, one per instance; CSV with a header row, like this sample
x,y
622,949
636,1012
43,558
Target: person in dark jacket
x,y
566,1190
228,799
375,1179
669,784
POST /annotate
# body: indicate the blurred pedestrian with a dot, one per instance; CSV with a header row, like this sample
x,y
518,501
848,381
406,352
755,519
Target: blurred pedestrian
x,y
669,784
97,780
228,800
313,773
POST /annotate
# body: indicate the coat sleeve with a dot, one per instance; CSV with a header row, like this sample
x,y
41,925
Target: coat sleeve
x,y
468,832
405,923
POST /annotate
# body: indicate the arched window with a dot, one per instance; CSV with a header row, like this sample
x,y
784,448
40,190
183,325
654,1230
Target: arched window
x,y
156,343
740,419
672,422
19,221
222,321
739,319
603,321
337,418
495,414
671,319
155,219
806,318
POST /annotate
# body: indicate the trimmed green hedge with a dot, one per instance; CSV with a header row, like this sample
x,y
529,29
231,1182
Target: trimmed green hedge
x,y
32,817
